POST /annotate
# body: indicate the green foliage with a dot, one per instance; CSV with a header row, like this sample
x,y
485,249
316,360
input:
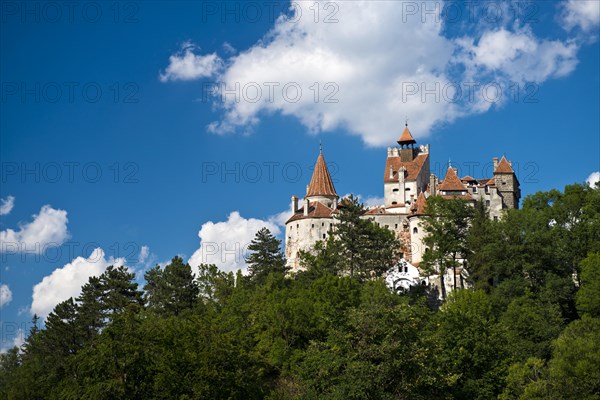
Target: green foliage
x,y
446,227
335,331
574,372
357,247
530,326
588,296
170,291
265,257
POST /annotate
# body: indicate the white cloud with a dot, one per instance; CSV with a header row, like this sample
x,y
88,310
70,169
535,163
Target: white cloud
x,y
225,243
582,13
371,74
67,281
516,56
144,253
17,341
370,201
5,295
185,65
49,227
593,179
7,205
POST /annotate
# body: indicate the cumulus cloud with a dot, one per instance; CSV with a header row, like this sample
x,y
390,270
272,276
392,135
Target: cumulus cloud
x,y
582,13
6,205
593,179
49,227
5,295
332,75
370,201
67,281
185,65
520,55
225,243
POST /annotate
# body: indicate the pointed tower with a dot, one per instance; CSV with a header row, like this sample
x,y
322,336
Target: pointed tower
x,y
406,173
507,183
406,142
321,187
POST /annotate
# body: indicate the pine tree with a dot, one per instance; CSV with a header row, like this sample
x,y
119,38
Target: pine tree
x,y
366,249
265,257
172,290
447,226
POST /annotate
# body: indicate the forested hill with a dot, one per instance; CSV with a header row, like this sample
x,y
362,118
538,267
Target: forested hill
x,y
529,328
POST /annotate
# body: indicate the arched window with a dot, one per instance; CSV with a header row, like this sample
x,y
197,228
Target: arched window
x,y
415,230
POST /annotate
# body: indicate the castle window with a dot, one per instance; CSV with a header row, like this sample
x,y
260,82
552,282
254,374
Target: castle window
x,y
312,225
387,226
322,223
394,202
495,218
395,190
474,189
396,226
415,230
297,226
487,189
323,236
487,203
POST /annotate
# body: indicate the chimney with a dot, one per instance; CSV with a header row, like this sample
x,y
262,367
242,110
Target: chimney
x,y
306,205
495,162
307,186
294,204
432,185
335,203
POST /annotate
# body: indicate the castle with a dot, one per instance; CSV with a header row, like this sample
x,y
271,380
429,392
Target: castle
x,y
407,182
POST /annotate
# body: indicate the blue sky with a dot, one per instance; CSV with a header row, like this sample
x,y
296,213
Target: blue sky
x,y
111,138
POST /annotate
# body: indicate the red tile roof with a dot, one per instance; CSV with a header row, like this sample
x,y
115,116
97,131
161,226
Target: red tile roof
x,y
406,137
451,182
466,197
468,178
420,205
321,184
503,167
412,167
316,209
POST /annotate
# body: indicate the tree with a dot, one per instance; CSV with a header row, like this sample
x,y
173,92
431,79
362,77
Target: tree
x,y
588,296
171,290
481,233
446,226
366,250
469,347
265,257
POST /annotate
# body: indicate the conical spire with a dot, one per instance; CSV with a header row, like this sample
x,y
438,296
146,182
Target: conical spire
x,y
452,182
504,167
406,137
321,183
